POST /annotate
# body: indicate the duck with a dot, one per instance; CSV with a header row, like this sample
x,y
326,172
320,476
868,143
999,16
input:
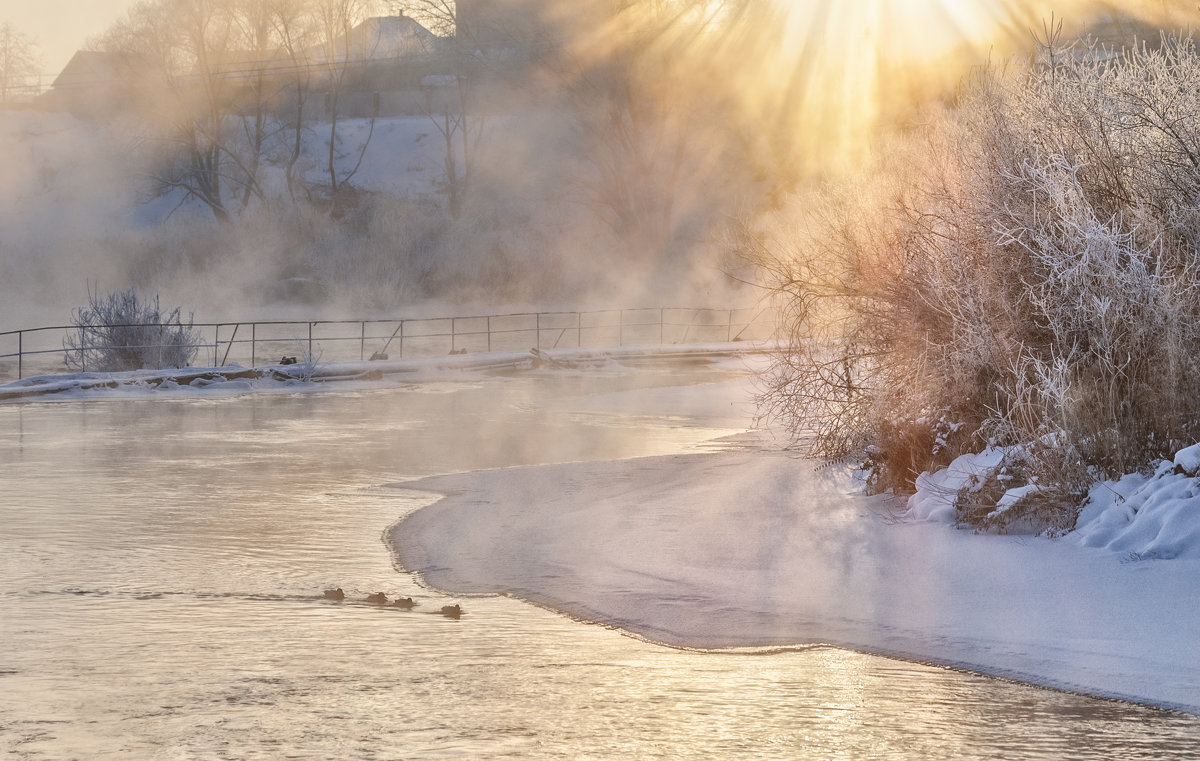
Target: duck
x,y
403,602
379,598
335,594
452,611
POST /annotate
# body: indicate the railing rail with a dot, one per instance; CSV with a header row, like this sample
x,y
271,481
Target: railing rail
x,y
45,350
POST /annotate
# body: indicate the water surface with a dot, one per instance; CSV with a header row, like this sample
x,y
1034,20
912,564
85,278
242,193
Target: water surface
x,y
162,564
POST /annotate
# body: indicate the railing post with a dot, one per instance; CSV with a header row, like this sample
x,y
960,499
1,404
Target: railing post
x,y
538,324
453,336
310,354
253,344
489,332
362,341
232,340
20,354
579,329
216,342
402,339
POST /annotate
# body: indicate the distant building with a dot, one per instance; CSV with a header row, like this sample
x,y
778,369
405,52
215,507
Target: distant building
x,y
381,38
93,83
380,62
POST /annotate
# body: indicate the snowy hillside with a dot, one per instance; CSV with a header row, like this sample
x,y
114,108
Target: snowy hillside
x,y
93,203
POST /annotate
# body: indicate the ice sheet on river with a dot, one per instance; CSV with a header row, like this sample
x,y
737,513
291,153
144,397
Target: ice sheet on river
x,y
749,547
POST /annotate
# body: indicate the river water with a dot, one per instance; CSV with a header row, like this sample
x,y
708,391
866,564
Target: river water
x,y
162,564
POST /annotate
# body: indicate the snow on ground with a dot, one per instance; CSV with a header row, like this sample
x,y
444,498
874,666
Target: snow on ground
x,y
745,546
1146,518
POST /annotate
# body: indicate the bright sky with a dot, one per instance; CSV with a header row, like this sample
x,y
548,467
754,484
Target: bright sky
x,y
60,27
898,27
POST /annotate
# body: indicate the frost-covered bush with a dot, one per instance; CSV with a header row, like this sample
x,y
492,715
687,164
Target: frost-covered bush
x,y
1027,267
121,331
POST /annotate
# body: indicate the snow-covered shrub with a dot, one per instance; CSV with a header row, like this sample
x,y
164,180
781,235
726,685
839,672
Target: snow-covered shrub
x,y
121,331
1028,265
307,361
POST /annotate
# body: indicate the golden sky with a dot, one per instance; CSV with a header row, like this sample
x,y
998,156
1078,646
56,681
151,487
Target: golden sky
x,y
60,27
891,29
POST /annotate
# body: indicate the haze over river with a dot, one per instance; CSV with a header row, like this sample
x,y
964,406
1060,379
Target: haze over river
x,y
162,563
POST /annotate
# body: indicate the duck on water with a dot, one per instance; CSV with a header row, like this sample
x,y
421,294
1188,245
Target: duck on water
x,y
380,598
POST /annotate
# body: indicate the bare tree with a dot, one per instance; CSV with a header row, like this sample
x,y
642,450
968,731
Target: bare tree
x,y
19,62
181,46
221,68
257,40
438,16
295,31
342,52
645,94
206,29
458,119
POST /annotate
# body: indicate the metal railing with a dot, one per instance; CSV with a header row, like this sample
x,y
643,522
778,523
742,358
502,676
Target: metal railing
x,y
42,351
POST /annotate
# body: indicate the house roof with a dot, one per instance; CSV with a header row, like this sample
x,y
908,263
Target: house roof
x,y
90,68
380,38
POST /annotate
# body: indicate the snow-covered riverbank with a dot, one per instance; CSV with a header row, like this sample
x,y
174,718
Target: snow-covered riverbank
x,y
744,546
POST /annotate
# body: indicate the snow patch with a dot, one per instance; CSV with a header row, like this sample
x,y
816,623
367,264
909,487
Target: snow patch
x,y
1138,516
1188,459
935,494
1144,518
1012,497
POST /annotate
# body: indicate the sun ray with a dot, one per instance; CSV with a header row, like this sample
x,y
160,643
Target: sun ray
x,y
854,65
